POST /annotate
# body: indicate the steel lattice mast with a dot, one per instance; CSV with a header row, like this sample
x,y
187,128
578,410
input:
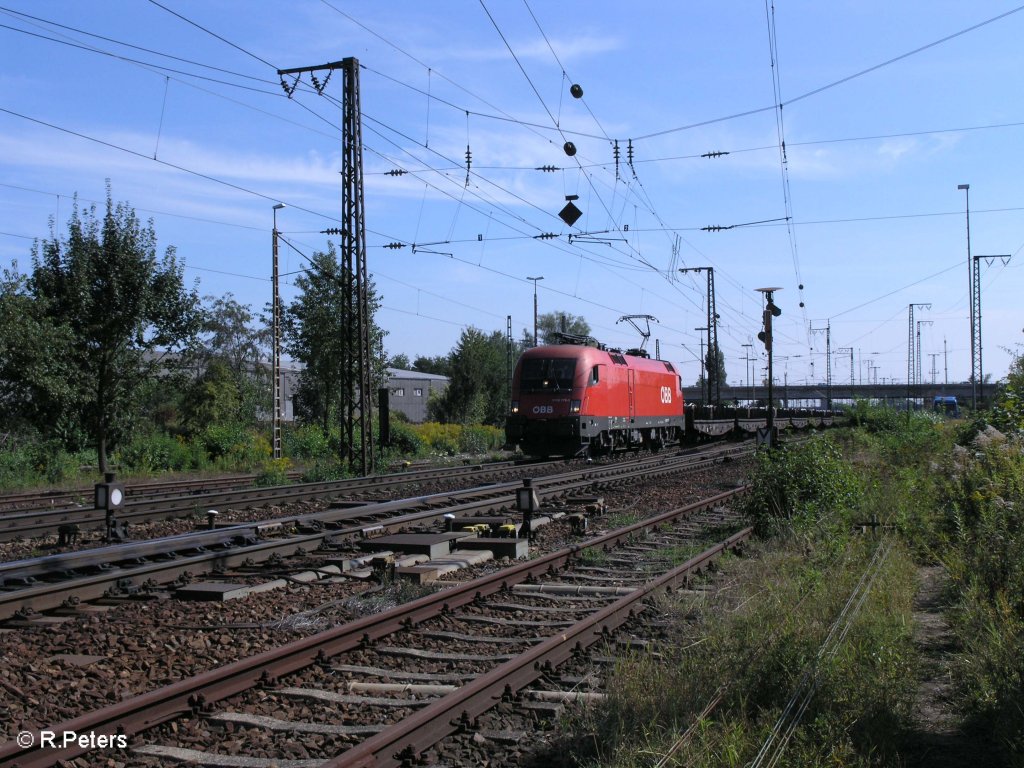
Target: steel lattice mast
x,y
357,405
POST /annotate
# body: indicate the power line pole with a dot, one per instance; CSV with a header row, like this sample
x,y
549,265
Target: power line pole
x,y
275,309
970,288
714,385
852,382
918,379
704,389
828,360
977,371
535,279
357,408
911,360
945,364
509,359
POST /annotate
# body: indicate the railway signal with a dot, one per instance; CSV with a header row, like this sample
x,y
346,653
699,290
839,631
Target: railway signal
x,y
109,496
770,311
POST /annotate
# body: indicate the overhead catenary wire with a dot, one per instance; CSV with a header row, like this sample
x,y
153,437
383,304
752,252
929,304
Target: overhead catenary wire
x,y
634,229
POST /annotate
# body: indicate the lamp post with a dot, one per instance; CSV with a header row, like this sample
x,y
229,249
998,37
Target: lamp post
x,y
276,322
535,279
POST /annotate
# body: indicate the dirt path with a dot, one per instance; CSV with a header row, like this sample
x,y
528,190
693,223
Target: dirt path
x,y
937,741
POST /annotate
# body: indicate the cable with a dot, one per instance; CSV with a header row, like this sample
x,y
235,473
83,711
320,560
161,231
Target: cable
x,y
214,34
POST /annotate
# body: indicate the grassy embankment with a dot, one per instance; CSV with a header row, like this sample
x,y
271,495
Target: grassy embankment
x,y
804,647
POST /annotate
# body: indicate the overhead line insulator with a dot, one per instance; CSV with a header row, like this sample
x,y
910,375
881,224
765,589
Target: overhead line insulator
x,y
548,168
716,153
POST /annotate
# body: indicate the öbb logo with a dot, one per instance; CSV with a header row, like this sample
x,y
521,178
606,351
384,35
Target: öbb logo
x,y
543,409
666,395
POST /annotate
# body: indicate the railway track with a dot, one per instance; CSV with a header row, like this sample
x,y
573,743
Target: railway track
x,y
28,587
360,684
172,501
27,501
76,519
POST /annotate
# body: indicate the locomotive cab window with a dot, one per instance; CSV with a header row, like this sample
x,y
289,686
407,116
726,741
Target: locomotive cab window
x,y
547,374
595,376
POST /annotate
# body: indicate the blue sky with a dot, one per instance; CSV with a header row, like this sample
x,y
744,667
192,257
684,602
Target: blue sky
x,y
862,210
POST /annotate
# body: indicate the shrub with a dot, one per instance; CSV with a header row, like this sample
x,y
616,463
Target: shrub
x,y
805,483
233,446
274,472
26,461
480,439
306,441
405,441
160,452
324,470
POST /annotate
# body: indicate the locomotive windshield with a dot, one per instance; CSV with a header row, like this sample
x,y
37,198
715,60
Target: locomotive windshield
x,y
540,374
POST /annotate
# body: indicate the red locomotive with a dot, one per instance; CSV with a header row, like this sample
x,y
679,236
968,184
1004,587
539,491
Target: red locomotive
x,y
573,400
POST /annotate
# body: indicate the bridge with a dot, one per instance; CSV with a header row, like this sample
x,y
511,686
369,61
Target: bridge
x,y
816,395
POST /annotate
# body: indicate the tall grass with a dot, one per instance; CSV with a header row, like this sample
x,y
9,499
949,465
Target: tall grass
x,y
751,656
984,498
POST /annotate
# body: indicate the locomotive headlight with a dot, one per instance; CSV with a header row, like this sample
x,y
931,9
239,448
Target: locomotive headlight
x,y
515,406
575,405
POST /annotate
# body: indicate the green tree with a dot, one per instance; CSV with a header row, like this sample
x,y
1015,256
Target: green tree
x,y
126,313
714,366
316,330
477,392
214,398
233,339
37,389
551,324
1008,410
441,365
400,361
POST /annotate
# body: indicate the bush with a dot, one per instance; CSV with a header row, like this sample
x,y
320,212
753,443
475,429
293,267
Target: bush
x,y
306,441
805,484
449,439
160,452
324,470
26,461
480,439
233,446
985,559
274,472
405,441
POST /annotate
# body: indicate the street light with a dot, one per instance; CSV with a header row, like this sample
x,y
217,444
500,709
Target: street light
x,y
276,313
535,279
